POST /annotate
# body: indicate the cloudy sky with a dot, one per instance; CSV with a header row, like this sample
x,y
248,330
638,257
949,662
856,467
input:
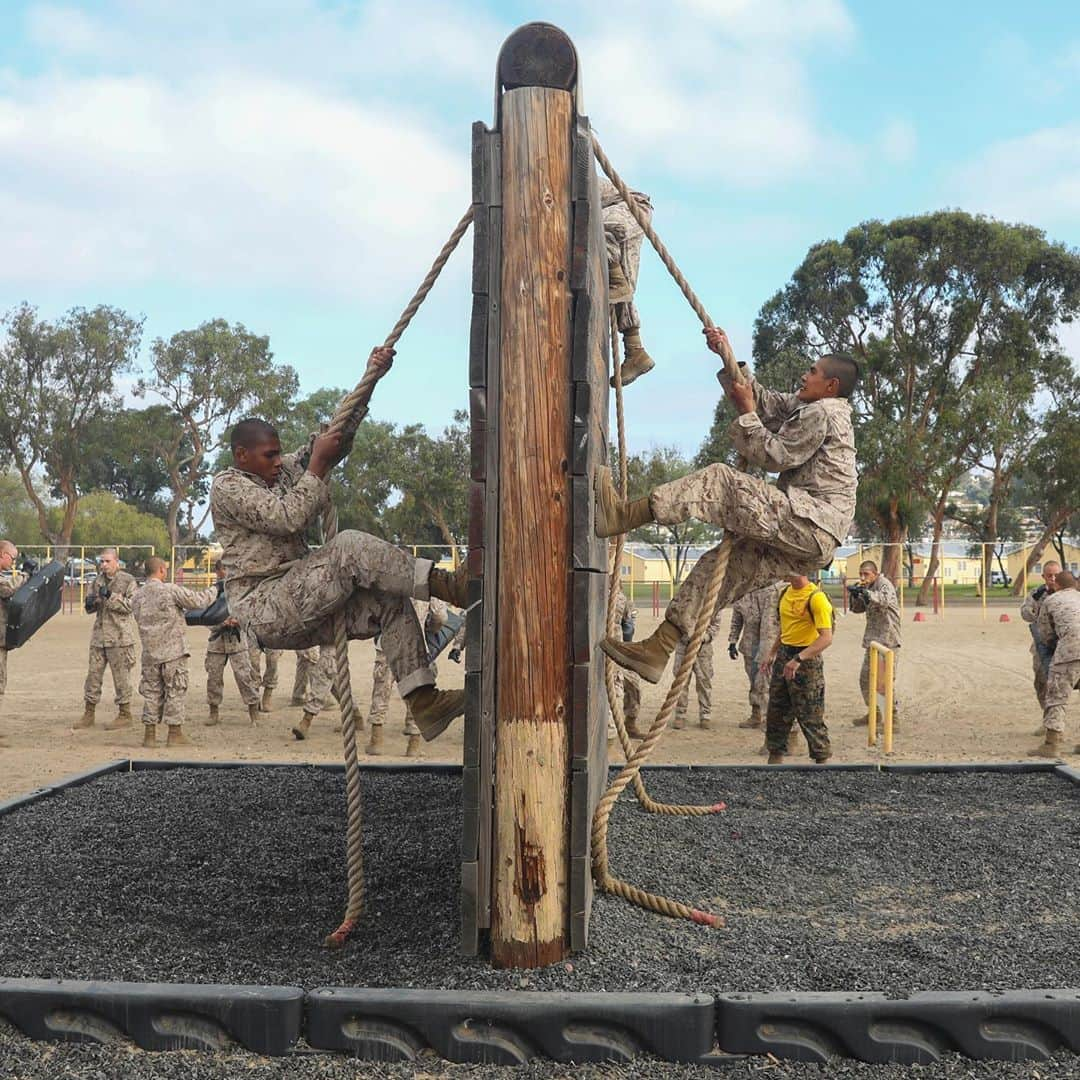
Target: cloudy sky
x,y
294,165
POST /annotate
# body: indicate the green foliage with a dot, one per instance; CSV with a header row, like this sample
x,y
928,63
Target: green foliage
x,y
105,519
18,515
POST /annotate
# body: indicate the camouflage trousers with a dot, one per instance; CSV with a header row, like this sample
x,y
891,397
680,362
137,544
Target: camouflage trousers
x,y
320,682
702,676
1041,674
623,238
163,688
368,581
628,687
240,661
3,671
306,662
864,681
753,651
121,660
267,678
382,682
800,699
1060,684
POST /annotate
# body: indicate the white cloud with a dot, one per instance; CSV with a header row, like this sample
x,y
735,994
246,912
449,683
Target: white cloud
x,y
898,142
1033,178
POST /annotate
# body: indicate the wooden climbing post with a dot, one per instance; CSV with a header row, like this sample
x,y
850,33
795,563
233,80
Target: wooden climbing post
x,y
535,750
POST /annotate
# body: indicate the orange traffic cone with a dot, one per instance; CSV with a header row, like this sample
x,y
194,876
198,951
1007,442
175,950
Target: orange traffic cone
x,y
1004,618
920,616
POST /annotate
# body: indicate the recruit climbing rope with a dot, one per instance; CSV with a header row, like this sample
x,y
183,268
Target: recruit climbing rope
x,y
350,412
636,757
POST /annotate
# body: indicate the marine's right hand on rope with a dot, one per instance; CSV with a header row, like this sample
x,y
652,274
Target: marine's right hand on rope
x,y
719,343
326,451
380,360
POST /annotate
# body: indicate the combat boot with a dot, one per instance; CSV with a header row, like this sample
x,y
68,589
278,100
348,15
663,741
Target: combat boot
x,y
678,723
412,747
775,758
612,514
619,288
636,361
213,719
705,723
453,587
253,715
648,657
1051,745
821,760
122,719
862,720
753,720
176,736
149,736
301,730
87,718
374,743
267,698
433,710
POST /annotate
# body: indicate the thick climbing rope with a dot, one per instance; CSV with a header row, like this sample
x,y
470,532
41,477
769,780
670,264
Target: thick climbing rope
x,y
350,412
636,757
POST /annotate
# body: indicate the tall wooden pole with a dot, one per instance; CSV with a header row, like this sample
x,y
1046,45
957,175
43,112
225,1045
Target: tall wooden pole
x,y
532,767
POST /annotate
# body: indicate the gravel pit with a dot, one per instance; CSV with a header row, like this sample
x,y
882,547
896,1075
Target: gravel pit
x,y
828,880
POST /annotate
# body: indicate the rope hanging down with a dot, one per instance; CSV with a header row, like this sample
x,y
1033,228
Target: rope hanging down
x,y
635,758
350,412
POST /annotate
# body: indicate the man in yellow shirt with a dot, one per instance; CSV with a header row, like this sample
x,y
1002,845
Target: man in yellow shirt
x,y
797,686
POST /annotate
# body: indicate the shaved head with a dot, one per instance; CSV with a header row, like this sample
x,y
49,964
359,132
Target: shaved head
x,y
154,565
843,369
250,432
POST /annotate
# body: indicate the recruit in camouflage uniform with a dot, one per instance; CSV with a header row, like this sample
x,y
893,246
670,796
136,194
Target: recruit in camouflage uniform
x,y
432,616
882,608
159,608
266,679
754,626
10,581
306,662
1041,652
225,647
321,666
622,238
112,645
627,683
702,676
793,527
1059,625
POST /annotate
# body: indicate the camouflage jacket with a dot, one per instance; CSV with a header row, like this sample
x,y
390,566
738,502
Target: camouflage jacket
x,y
1029,612
8,585
1059,624
113,624
882,610
756,616
811,445
159,608
262,529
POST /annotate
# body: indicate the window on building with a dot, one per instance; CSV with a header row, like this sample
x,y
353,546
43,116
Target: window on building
x,y
961,565
1038,568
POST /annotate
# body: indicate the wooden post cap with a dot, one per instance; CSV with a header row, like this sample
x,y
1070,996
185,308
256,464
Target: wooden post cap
x,y
538,54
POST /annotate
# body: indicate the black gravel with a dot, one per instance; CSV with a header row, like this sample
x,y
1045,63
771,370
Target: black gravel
x,y
829,881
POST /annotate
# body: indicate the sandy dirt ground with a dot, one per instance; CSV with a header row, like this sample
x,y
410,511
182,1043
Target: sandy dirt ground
x,y
964,685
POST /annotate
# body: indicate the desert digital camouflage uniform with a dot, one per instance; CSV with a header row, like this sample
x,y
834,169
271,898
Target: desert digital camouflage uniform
x,y
627,682
793,527
306,661
266,678
702,675
755,622
286,594
882,609
1059,625
623,237
320,682
112,639
1041,653
225,646
8,585
431,614
159,608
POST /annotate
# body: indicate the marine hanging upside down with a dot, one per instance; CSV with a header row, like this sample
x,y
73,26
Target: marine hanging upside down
x,y
790,528
287,595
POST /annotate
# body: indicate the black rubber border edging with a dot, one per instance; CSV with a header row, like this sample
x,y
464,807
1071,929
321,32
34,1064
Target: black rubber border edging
x,y
510,1027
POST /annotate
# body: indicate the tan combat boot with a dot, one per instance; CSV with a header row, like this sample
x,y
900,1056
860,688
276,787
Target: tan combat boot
x,y
176,736
213,719
87,718
1051,745
267,698
374,743
705,723
863,720
612,514
636,361
648,657
412,747
301,730
775,758
253,715
453,587
619,288
149,736
122,719
753,720
433,710
678,723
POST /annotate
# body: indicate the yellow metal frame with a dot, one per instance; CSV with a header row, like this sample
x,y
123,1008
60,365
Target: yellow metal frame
x,y
877,653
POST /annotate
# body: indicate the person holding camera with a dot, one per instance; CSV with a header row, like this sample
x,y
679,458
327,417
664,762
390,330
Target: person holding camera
x,y
875,596
10,580
112,640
